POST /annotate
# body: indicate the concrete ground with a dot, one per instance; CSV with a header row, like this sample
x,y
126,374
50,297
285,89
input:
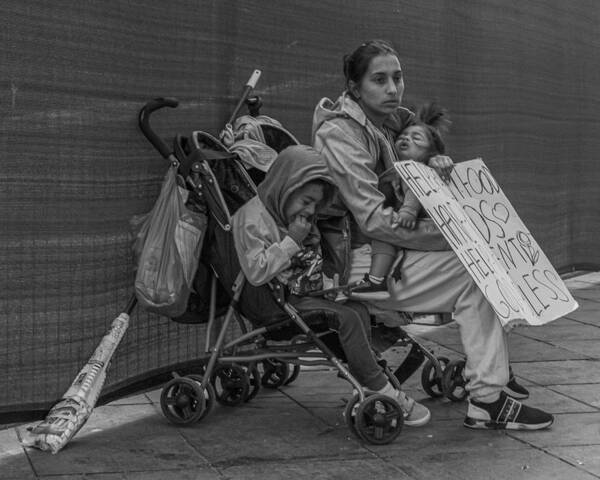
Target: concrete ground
x,y
297,432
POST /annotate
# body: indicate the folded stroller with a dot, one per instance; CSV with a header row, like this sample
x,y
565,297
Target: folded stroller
x,y
254,337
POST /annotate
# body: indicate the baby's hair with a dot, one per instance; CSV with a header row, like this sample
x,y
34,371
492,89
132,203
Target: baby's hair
x,y
356,63
436,122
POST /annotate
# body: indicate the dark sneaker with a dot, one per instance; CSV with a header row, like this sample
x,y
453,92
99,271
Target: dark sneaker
x,y
506,413
515,390
368,290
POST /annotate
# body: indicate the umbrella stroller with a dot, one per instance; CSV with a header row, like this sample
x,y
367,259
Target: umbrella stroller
x,y
270,334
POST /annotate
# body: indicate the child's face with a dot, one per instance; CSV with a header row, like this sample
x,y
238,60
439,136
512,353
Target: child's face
x,y
303,202
413,144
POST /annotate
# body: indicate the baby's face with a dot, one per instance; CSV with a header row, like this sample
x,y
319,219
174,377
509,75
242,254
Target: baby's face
x,y
303,202
413,144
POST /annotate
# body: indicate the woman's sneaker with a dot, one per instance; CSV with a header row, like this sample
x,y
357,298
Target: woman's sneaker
x,y
506,413
368,290
514,389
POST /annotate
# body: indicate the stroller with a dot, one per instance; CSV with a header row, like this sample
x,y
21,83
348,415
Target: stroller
x,y
271,340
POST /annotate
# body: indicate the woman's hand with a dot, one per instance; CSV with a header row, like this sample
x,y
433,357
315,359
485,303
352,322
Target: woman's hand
x,y
443,165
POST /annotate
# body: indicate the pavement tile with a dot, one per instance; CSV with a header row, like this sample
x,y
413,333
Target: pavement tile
x,y
564,329
569,429
588,312
525,349
585,457
587,393
560,372
555,402
445,436
140,399
589,348
286,431
13,462
489,464
119,439
197,473
347,469
582,294
83,476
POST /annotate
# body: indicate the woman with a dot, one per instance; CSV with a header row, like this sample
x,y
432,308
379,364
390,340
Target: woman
x,y
356,135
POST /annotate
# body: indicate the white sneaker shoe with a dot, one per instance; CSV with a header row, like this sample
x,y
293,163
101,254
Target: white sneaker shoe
x,y
415,414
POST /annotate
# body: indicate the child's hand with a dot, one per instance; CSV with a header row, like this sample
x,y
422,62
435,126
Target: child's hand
x,y
406,220
443,165
298,229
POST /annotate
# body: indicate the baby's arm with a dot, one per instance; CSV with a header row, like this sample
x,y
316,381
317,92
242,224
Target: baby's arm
x,y
407,214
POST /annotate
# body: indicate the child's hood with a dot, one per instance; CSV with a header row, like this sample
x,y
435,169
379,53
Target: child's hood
x,y
294,167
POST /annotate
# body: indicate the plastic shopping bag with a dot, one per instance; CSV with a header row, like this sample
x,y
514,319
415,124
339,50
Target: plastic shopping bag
x,y
167,247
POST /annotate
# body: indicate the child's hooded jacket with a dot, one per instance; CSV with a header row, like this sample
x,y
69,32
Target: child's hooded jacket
x,y
264,249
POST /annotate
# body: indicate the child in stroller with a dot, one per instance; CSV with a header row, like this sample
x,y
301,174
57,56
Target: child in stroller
x,y
228,371
276,238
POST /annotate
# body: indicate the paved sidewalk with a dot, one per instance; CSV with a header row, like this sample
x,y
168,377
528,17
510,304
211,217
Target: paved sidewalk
x,y
298,432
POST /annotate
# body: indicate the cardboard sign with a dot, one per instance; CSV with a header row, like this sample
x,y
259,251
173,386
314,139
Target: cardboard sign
x,y
491,241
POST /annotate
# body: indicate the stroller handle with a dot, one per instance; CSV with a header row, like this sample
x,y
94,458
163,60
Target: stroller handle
x,y
144,122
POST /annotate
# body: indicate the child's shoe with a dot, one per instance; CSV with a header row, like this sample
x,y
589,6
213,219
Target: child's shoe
x,y
506,413
514,389
415,413
369,290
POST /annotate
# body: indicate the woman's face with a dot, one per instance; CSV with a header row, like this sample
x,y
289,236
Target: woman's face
x,y
380,90
413,144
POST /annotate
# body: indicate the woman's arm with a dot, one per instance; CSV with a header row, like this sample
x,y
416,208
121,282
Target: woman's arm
x,y
352,168
261,254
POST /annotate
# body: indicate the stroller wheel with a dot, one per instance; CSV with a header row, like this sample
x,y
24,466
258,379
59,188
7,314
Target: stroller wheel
x,y
350,414
453,381
231,384
275,373
254,381
182,401
379,419
431,380
209,394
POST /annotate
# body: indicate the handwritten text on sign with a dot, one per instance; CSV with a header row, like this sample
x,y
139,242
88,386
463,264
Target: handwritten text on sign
x,y
492,242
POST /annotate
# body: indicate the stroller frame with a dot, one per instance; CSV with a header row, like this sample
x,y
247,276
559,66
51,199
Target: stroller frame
x,y
374,418
187,399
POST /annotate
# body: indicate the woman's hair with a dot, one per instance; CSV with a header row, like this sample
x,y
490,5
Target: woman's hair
x,y
435,121
357,63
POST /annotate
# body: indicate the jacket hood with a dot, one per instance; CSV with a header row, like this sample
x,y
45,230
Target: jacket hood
x,y
346,107
294,167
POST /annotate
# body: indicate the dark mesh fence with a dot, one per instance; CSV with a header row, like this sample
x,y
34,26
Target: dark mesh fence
x,y
520,79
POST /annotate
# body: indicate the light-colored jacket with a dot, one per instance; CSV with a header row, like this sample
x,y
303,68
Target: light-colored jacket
x,y
262,251
356,153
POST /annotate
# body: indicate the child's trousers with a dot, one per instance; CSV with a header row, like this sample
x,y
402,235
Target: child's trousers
x,y
353,323
438,282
